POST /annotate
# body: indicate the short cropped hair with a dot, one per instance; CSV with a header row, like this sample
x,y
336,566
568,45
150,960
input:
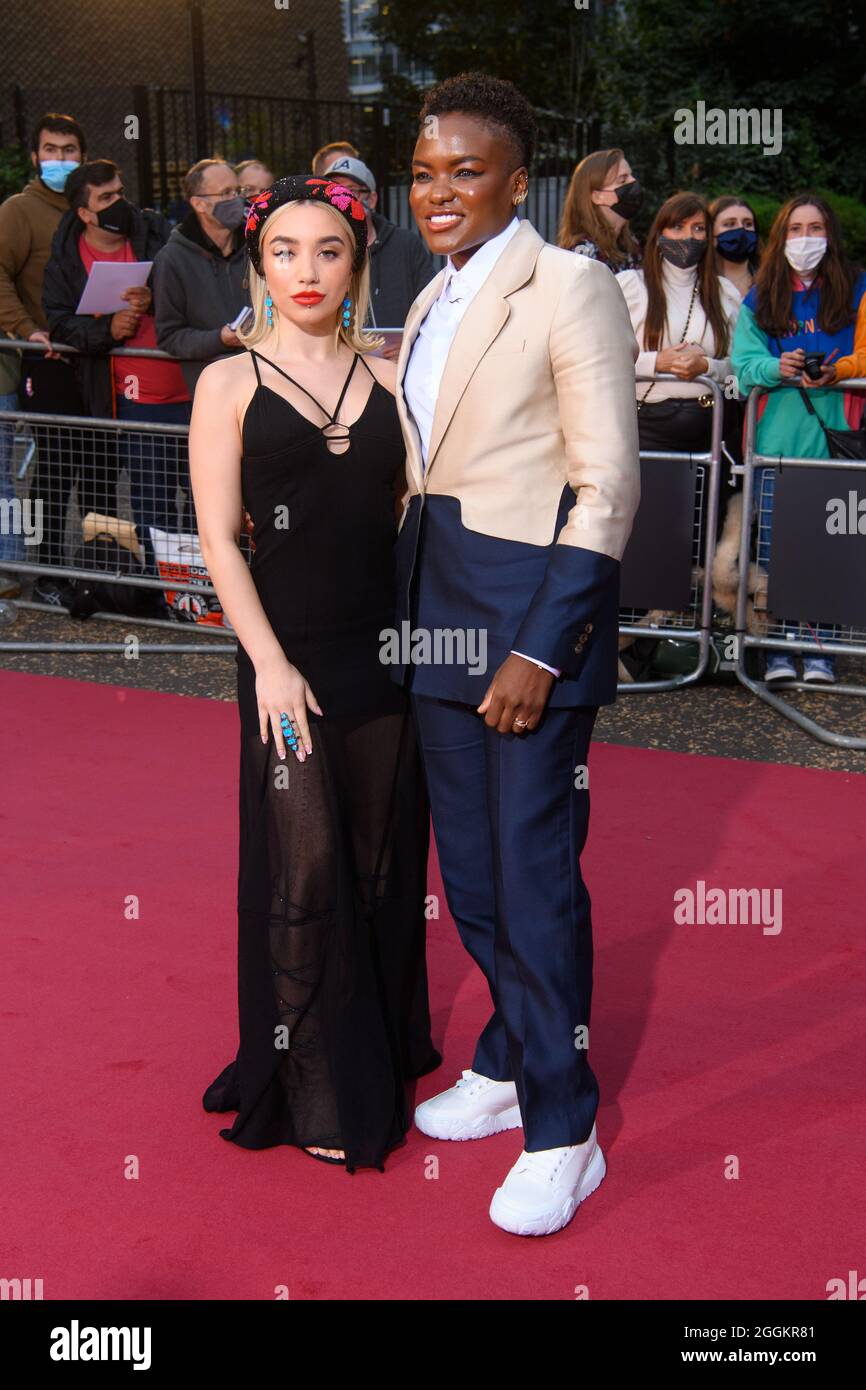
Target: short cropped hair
x,y
92,175
495,101
57,124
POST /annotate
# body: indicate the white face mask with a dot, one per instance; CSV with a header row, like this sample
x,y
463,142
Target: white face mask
x,y
804,253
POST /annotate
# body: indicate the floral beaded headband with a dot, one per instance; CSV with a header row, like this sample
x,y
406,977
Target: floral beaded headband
x,y
296,186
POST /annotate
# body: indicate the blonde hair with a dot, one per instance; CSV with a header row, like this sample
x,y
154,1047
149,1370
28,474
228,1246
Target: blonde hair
x,y
355,337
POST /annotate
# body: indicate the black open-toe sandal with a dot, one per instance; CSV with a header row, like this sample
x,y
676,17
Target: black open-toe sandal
x,y
323,1158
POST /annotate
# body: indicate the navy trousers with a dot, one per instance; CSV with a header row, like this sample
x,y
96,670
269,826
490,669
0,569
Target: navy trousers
x,y
510,824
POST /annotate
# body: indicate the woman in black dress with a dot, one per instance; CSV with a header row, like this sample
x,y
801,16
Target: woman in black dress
x,y
332,985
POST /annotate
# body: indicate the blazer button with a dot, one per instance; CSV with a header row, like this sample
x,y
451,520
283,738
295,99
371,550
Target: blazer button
x,y
588,627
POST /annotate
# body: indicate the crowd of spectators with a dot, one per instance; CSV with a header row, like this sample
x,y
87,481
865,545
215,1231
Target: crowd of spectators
x,y
707,299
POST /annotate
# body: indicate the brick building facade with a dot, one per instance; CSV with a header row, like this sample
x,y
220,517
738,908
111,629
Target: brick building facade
x,y
89,58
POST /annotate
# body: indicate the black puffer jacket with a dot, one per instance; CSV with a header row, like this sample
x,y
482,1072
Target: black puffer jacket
x,y
65,278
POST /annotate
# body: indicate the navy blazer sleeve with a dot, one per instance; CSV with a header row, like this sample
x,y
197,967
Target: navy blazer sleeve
x,y
592,356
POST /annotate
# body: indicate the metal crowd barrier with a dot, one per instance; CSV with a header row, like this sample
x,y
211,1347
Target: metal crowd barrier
x,y
96,454
692,623
99,450
851,638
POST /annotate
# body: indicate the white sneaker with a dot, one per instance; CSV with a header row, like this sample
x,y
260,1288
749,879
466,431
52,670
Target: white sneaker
x,y
544,1189
473,1109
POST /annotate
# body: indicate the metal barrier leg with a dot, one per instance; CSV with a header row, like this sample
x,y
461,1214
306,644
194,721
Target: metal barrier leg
x,y
796,716
707,511
757,466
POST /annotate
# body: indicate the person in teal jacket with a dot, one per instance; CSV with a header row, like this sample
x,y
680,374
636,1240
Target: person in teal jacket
x,y
808,297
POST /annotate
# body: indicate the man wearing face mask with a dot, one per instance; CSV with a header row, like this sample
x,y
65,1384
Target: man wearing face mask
x,y
28,221
102,225
200,274
46,382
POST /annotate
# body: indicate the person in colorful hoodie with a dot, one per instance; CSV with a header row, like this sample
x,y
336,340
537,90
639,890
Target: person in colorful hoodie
x,y
808,297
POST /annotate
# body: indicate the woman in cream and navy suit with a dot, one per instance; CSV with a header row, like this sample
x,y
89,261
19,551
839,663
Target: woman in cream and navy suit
x,y
516,398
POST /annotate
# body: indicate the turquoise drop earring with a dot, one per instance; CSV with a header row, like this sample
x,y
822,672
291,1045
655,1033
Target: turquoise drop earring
x,y
347,309
269,309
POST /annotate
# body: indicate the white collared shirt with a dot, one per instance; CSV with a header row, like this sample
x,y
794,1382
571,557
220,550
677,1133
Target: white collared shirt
x,y
433,341
423,374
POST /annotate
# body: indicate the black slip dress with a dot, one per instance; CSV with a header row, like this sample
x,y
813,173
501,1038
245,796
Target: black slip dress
x,y
332,981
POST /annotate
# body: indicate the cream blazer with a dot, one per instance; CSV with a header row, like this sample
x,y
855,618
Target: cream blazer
x,y
538,391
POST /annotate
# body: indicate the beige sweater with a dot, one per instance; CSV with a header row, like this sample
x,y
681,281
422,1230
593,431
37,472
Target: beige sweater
x,y
678,288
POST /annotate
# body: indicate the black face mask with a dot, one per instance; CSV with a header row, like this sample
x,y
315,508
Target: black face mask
x,y
118,218
682,251
629,198
737,244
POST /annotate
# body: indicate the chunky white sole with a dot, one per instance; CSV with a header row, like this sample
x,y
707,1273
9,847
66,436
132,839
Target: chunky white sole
x,y
512,1219
478,1128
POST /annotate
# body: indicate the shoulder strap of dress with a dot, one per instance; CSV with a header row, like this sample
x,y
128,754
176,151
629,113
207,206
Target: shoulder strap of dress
x,y
331,418
254,356
367,365
345,386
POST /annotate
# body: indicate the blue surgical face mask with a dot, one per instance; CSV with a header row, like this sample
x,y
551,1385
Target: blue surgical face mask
x,y
737,244
55,172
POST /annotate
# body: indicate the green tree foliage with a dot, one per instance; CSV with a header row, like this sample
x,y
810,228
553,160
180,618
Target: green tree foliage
x,y
543,46
803,59
635,63
15,169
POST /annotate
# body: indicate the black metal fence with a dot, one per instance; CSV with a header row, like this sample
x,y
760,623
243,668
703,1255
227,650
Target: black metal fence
x,y
286,131
172,131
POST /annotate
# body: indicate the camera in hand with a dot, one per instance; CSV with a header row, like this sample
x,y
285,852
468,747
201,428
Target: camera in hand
x,y
814,362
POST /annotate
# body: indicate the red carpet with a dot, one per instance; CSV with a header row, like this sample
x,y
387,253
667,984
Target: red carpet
x,y
713,1045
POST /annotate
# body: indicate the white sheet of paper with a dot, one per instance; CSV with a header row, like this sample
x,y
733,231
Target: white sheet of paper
x,y
107,281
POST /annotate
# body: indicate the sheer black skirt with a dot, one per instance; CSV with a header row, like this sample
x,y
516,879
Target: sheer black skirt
x,y
332,980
